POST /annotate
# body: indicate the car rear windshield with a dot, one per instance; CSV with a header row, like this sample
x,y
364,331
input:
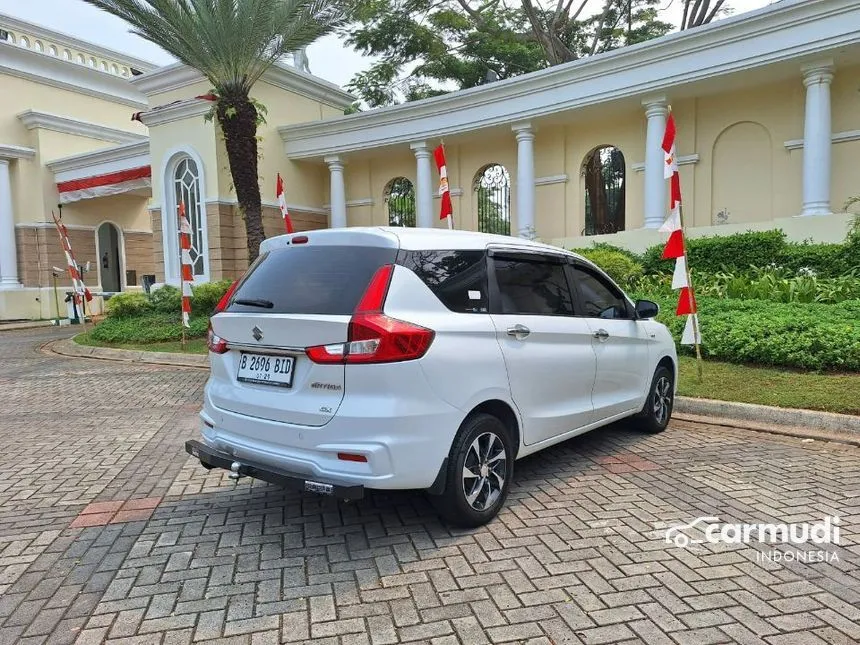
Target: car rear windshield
x,y
325,280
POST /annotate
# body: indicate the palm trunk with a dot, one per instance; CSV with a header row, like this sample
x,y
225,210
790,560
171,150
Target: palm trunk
x,y
238,119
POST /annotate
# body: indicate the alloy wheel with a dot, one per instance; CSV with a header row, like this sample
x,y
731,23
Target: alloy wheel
x,y
484,471
662,399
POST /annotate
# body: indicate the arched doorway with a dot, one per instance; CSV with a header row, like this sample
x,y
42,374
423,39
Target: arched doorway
x,y
605,190
110,258
492,187
399,195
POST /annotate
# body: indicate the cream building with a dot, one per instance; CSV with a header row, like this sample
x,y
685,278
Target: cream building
x,y
767,106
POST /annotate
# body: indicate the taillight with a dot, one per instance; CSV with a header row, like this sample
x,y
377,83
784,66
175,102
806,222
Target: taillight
x,y
215,343
222,304
374,337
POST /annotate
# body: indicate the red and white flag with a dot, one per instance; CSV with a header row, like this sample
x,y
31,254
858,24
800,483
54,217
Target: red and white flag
x,y
78,287
675,247
447,209
282,204
187,272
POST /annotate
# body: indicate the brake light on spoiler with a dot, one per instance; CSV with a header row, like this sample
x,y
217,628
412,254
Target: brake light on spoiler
x,y
374,337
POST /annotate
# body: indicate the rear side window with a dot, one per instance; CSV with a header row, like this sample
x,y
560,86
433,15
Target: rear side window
x,y
457,278
326,280
531,286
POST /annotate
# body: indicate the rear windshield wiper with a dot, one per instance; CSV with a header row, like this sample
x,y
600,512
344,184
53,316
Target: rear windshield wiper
x,y
255,302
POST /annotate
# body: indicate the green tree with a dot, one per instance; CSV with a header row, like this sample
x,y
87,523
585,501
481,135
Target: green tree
x,y
428,47
232,43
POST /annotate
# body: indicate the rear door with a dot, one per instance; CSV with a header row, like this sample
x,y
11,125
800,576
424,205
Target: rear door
x,y
294,297
621,343
547,350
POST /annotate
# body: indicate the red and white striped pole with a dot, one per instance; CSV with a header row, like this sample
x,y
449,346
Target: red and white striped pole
x,y
187,272
81,295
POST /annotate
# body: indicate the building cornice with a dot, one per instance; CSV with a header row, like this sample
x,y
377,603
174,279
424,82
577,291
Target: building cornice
x,y
98,162
176,76
791,30
551,179
299,208
9,151
59,38
34,119
683,160
65,75
838,137
175,112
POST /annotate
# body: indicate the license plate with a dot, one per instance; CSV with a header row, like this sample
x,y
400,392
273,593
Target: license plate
x,y
266,369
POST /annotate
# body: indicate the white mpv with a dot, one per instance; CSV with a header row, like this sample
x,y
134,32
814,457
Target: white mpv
x,y
398,358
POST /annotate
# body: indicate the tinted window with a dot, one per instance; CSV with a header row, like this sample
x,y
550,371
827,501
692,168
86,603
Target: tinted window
x,y
598,298
457,278
310,279
531,286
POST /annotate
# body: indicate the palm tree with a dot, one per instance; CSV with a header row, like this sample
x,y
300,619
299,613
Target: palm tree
x,y
232,43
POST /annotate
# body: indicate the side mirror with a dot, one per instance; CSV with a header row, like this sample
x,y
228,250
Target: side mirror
x,y
647,309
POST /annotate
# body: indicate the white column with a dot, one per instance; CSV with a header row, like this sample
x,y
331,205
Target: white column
x,y
656,187
525,180
424,188
817,138
8,250
338,192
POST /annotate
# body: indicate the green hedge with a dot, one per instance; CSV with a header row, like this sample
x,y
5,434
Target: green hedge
x,y
167,300
809,336
151,327
737,253
619,266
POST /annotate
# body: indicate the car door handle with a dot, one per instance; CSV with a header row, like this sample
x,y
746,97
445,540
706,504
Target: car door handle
x,y
519,331
601,334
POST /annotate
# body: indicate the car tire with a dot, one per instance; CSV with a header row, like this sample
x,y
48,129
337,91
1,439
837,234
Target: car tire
x,y
658,408
479,471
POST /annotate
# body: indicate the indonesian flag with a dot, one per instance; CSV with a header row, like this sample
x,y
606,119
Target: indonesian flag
x,y
669,157
446,210
282,204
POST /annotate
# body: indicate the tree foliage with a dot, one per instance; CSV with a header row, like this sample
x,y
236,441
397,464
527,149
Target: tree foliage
x,y
232,43
428,47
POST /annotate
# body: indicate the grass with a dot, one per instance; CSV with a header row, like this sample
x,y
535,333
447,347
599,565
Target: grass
x,y
193,346
771,386
724,381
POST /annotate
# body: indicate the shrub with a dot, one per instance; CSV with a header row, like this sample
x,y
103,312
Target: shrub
x,y
736,252
207,296
147,328
809,336
166,299
620,266
124,305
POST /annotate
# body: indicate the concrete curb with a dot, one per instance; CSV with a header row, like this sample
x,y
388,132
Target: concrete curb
x,y
68,347
32,324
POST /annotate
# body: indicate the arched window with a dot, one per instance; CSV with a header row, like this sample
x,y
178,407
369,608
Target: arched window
x,y
39,47
52,50
492,187
25,42
114,69
399,195
67,55
92,62
186,190
81,60
605,190
104,66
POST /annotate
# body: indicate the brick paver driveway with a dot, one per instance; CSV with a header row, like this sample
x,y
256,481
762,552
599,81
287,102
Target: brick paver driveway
x,y
577,556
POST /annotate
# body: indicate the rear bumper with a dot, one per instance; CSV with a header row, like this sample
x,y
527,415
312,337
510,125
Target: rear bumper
x,y
217,459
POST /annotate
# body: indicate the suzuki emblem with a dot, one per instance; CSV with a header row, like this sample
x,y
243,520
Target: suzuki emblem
x,y
257,333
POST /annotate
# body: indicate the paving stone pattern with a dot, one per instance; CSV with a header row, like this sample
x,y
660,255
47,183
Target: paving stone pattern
x,y
577,556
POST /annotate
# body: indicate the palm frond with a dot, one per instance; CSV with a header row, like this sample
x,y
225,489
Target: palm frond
x,y
231,42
